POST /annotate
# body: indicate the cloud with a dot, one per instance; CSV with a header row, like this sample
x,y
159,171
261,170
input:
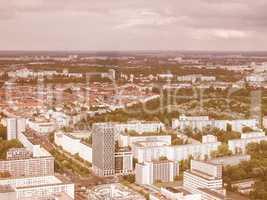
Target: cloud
x,y
209,34
145,18
138,24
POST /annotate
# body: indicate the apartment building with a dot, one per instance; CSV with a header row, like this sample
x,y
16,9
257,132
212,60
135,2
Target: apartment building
x,y
200,122
128,140
153,150
15,126
33,166
151,172
203,175
239,145
38,187
74,145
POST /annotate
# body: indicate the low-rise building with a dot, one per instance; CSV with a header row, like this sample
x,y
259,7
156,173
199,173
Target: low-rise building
x,y
230,160
174,193
113,192
38,186
203,175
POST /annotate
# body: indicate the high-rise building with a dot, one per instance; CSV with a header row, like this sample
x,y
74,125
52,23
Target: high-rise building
x,y
15,126
103,149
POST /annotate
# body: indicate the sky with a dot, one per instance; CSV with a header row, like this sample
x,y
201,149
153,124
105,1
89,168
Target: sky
x,y
104,25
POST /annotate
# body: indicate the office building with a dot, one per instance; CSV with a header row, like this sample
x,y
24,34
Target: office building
x,y
103,139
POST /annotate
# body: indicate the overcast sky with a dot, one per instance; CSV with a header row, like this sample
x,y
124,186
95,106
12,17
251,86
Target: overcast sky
x,y
133,24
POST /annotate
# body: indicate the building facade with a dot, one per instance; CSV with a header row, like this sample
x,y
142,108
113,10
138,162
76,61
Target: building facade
x,y
151,172
103,139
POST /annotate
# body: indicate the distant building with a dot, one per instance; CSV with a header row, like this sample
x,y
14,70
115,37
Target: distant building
x,y
103,139
162,170
244,186
209,139
239,145
230,160
41,126
126,140
200,122
152,150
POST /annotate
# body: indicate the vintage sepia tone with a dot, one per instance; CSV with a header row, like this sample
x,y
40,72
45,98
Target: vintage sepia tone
x,y
133,100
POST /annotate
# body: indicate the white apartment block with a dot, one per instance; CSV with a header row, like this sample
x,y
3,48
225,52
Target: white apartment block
x,y
15,126
139,126
61,119
150,172
42,126
195,77
36,149
203,175
230,160
239,145
73,145
127,140
253,134
200,122
33,187
146,152
238,125
209,139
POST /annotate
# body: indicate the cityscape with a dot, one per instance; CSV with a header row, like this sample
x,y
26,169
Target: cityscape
x,y
133,100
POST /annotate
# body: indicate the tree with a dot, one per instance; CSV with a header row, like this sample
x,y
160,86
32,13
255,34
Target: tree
x,y
223,150
3,132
